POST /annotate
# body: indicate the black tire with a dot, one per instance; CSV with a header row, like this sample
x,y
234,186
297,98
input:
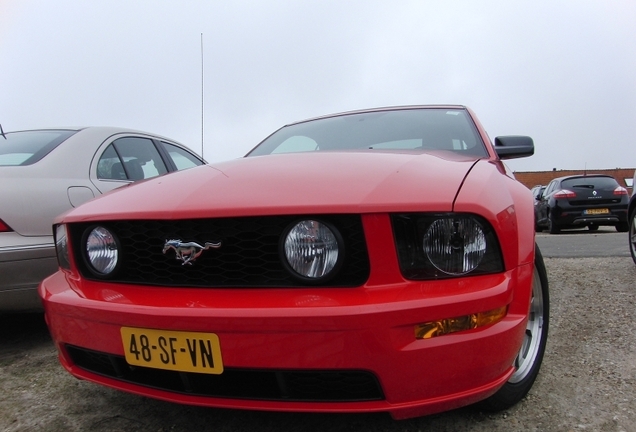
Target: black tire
x,y
632,234
552,226
622,227
593,227
528,361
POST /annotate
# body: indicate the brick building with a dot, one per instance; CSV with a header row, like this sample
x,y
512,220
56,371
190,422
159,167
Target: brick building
x,y
624,176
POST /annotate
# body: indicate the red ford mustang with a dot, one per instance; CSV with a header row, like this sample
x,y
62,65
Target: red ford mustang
x,y
377,260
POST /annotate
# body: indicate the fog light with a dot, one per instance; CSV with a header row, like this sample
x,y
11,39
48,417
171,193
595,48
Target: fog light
x,y
312,249
102,251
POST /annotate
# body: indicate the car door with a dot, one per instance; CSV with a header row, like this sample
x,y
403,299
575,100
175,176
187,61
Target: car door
x,y
124,159
542,202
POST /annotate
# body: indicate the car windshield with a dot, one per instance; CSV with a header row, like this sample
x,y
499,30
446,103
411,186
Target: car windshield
x,y
28,147
590,183
414,129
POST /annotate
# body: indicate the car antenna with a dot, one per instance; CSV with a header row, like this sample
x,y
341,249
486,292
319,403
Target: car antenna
x,y
202,96
2,132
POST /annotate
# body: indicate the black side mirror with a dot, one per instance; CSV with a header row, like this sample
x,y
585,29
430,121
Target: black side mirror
x,y
513,146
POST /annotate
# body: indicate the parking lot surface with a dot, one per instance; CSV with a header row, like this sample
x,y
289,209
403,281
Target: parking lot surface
x,y
587,382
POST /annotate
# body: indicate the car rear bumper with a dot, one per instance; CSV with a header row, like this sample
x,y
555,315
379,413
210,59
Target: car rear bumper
x,y
330,333
577,218
24,262
596,220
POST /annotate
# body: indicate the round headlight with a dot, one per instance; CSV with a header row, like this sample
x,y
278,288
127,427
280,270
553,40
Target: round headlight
x,y
455,246
312,249
102,251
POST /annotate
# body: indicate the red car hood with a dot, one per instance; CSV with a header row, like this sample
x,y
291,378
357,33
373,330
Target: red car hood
x,y
347,182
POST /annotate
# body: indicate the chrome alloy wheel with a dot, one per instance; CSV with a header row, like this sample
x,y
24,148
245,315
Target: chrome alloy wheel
x,y
534,330
528,361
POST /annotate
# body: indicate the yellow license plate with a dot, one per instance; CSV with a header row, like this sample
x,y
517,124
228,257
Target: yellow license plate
x,y
173,350
596,211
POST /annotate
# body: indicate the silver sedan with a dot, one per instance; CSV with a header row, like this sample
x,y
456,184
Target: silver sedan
x,y
44,173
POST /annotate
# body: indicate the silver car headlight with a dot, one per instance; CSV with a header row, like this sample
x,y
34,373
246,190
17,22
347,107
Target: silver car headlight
x,y
102,251
313,250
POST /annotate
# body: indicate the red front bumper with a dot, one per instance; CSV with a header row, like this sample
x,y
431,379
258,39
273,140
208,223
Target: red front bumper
x,y
362,329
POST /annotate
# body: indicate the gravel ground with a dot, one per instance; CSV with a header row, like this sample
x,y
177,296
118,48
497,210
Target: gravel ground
x,y
587,382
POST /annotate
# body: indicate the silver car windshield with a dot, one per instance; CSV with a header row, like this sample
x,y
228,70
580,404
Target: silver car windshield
x,y
408,129
28,147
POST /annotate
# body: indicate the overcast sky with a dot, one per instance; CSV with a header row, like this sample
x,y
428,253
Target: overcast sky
x,y
563,72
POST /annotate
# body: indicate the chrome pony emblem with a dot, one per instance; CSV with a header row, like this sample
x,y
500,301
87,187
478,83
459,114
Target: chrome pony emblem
x,y
189,251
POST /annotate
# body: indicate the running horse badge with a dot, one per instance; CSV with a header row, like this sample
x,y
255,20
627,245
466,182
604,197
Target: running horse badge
x,y
187,252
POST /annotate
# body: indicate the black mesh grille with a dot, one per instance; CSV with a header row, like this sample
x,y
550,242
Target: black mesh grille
x,y
249,255
295,386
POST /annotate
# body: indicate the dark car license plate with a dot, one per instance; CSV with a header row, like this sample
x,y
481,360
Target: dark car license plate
x,y
596,211
173,350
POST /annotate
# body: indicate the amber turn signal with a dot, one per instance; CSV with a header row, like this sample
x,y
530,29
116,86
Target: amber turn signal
x,y
452,325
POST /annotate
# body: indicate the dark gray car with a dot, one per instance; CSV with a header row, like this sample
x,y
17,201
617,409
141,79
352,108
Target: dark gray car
x,y
582,201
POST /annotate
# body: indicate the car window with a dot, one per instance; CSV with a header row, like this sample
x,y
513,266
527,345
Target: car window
x,y
130,158
590,183
296,144
182,159
105,165
419,129
537,191
550,188
28,147
408,144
